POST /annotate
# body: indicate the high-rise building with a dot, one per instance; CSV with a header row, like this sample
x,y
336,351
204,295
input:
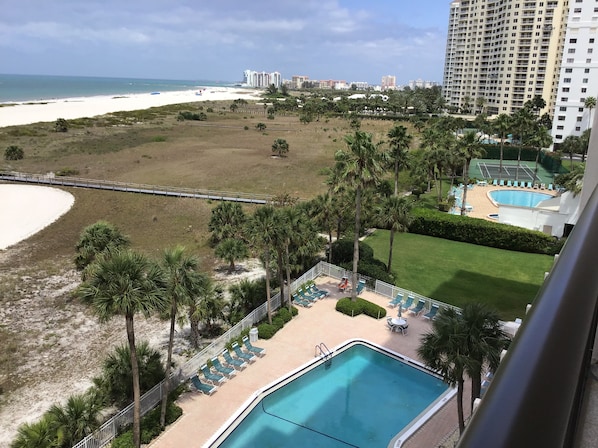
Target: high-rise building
x,y
578,78
389,82
261,79
502,53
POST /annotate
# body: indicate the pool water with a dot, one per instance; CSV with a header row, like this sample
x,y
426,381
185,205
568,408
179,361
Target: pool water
x,y
520,198
361,398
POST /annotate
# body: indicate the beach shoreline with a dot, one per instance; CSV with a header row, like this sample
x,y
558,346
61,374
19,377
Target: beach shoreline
x,y
27,112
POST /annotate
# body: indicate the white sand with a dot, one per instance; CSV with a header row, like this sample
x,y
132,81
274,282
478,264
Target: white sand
x,y
27,209
70,108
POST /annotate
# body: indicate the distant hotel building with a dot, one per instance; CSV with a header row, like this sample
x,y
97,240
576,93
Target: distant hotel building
x,y
421,84
261,79
504,51
389,82
579,70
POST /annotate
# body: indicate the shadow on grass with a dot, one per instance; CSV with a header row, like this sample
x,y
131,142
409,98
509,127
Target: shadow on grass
x,y
508,297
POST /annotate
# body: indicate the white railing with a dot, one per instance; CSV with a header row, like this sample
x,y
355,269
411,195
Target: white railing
x,y
110,429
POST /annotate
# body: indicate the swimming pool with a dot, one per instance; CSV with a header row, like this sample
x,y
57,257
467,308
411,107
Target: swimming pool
x,y
520,198
363,396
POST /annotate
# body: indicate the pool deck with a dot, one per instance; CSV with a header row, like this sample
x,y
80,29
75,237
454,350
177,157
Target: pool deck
x,y
293,346
483,206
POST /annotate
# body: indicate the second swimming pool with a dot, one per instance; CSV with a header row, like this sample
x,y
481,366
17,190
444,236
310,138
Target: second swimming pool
x,y
362,397
520,198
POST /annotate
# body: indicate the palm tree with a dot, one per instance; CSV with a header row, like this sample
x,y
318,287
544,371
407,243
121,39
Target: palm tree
x,y
183,283
399,143
321,211
502,125
522,120
442,350
571,145
589,103
209,306
394,214
122,282
261,234
470,148
227,221
573,180
79,417
41,434
360,166
231,249
96,239
540,139
484,342
280,146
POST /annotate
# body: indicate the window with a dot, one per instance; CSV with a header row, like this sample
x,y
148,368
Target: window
x,y
570,60
562,108
561,118
577,10
589,61
564,99
568,70
591,40
565,89
572,41
586,70
558,136
578,128
584,90
585,80
560,127
590,50
578,119
580,109
571,50
567,80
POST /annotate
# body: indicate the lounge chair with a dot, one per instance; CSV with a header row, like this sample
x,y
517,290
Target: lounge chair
x,y
398,299
253,349
550,187
360,286
211,377
243,355
207,389
542,186
306,295
509,183
432,313
344,284
529,185
408,303
502,183
495,183
315,290
300,301
536,186
516,183
226,371
419,308
233,362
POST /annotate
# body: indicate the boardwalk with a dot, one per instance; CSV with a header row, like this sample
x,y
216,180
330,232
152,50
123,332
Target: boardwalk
x,y
290,348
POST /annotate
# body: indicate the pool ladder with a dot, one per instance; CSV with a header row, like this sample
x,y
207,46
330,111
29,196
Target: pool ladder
x,y
323,351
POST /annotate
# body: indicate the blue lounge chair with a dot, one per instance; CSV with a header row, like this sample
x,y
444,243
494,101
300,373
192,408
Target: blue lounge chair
x,y
233,362
207,389
529,185
495,183
242,355
432,313
550,187
315,290
509,183
419,308
252,348
516,183
398,299
408,303
211,377
226,371
502,183
300,301
360,286
307,296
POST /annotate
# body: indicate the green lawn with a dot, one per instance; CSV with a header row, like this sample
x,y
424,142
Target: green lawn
x,y
458,273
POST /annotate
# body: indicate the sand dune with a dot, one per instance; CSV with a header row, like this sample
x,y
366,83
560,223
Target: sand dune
x,y
27,209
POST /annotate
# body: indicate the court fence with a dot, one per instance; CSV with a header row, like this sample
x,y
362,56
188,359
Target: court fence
x,y
112,427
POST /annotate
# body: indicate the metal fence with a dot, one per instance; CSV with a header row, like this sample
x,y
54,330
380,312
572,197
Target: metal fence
x,y
109,430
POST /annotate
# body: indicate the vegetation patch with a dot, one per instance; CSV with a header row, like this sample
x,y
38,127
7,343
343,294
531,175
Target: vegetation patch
x,y
360,306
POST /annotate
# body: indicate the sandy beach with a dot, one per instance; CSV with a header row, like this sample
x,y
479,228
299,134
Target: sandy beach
x,y
27,209
12,114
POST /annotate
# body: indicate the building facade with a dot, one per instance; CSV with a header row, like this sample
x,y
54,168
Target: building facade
x,y
389,82
261,79
502,53
578,78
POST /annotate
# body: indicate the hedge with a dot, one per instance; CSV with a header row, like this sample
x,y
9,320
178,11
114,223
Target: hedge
x,y
342,251
266,330
375,269
360,306
482,232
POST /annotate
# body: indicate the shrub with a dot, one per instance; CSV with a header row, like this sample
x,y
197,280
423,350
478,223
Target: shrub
x,y
150,426
67,172
14,152
342,251
285,315
375,269
266,331
125,440
360,306
481,232
278,322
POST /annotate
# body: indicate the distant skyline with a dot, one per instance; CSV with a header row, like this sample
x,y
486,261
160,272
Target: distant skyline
x,y
351,40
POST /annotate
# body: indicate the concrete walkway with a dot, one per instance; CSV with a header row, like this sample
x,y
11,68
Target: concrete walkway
x,y
290,348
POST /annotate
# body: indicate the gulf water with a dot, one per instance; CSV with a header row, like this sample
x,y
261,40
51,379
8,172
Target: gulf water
x,y
17,88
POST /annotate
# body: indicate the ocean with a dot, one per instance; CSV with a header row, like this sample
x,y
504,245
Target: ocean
x,y
17,88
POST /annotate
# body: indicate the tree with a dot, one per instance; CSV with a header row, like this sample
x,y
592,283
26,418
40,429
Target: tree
x,y
523,120
321,211
231,249
233,107
227,221
272,90
280,146
360,166
260,127
124,283
480,103
470,148
540,139
442,350
573,180
502,125
589,103
61,125
14,152
96,239
208,308
245,296
571,145
394,214
399,143
183,283
79,417
41,434
261,233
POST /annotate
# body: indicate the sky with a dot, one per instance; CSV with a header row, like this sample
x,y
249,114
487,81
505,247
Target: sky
x,y
351,40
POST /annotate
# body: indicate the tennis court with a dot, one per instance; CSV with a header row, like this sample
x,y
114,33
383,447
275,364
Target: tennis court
x,y
490,169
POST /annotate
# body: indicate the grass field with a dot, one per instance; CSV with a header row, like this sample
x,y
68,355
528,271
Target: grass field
x,y
458,273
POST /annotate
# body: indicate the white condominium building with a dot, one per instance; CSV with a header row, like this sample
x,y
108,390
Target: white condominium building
x,y
261,79
578,78
502,53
